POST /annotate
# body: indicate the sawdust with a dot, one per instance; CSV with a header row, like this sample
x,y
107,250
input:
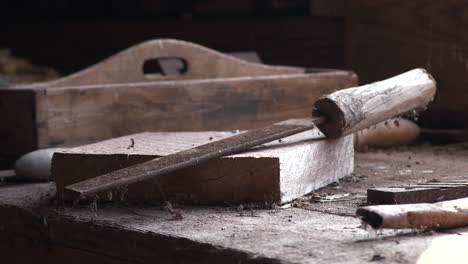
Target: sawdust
x,y
375,168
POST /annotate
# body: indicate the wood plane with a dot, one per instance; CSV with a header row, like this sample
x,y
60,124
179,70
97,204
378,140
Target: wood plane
x,y
119,97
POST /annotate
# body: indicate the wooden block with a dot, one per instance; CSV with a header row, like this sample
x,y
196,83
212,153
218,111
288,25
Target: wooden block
x,y
277,172
417,194
116,98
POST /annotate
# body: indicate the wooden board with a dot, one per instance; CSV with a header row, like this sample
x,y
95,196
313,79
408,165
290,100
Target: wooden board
x,y
388,37
116,98
415,194
276,173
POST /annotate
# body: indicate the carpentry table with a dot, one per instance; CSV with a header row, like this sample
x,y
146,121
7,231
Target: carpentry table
x,y
319,229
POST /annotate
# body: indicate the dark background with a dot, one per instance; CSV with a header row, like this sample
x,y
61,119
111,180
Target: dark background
x,y
70,35
376,39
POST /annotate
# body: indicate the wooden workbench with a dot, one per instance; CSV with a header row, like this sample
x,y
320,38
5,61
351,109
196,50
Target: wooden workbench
x,y
33,227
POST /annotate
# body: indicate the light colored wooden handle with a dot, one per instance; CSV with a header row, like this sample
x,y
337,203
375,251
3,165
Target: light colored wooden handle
x,y
201,63
446,214
353,109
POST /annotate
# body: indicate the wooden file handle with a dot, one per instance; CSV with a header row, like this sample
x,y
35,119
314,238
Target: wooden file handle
x,y
353,109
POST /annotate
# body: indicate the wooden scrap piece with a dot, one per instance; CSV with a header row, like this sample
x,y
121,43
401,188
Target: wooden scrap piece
x,y
447,214
276,173
421,193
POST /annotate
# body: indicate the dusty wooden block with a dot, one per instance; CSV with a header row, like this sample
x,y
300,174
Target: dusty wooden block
x,y
276,172
429,193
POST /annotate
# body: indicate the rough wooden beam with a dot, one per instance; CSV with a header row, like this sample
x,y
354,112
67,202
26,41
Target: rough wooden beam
x,y
420,193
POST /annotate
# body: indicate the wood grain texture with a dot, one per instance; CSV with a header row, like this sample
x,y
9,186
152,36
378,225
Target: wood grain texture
x,y
277,172
81,115
70,116
414,194
440,215
29,234
354,109
387,37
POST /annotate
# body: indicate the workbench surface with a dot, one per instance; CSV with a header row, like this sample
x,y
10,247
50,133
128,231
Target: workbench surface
x,y
321,228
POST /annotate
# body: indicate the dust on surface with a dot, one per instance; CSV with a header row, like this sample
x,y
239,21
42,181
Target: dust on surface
x,y
390,167
318,228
